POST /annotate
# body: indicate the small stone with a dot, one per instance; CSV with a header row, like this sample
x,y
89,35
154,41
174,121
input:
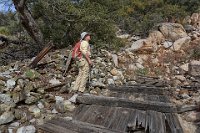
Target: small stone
x,y
10,83
59,98
6,117
194,68
54,111
73,98
2,83
5,98
185,67
40,105
167,44
54,81
35,110
111,82
116,78
180,77
97,84
185,96
114,72
115,59
26,129
31,99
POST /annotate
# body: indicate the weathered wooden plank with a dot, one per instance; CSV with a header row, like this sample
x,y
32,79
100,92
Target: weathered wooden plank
x,y
110,117
52,128
173,123
41,55
81,110
119,102
120,121
88,113
184,108
155,122
81,127
69,60
140,89
141,118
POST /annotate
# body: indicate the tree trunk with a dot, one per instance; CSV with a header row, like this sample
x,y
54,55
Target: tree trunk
x,y
28,22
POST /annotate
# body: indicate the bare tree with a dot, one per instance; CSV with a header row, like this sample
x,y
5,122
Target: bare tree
x,y
28,22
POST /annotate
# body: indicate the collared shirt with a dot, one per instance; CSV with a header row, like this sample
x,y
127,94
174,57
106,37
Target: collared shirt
x,y
85,48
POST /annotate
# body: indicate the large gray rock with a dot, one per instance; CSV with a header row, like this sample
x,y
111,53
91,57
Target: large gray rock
x,y
5,98
6,117
31,99
137,45
26,129
35,111
10,83
194,68
156,37
63,106
185,67
172,31
181,42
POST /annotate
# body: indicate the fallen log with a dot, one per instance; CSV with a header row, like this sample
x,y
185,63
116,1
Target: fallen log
x,y
121,102
53,87
41,55
74,126
141,105
140,89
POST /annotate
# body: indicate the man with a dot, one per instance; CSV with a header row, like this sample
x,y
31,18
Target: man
x,y
83,63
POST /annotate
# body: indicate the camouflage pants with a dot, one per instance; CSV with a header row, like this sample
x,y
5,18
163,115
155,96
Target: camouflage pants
x,y
82,77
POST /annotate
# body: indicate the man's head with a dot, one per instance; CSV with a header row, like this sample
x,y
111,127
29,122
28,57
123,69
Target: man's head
x,y
85,36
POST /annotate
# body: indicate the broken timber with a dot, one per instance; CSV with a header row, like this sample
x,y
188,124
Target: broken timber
x,y
69,59
41,55
119,113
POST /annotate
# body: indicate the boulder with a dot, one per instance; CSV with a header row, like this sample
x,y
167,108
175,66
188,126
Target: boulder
x,y
26,129
6,117
35,111
5,98
10,83
181,42
195,19
31,99
137,45
194,68
172,31
111,81
185,67
156,37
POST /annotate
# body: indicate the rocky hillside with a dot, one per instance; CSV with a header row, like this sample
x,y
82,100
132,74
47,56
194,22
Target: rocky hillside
x,y
28,97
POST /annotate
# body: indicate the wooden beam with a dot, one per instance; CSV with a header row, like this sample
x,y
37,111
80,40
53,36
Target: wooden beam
x,y
41,55
75,126
121,102
140,89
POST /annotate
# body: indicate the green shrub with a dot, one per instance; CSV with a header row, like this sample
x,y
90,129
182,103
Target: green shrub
x,y
142,72
4,31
